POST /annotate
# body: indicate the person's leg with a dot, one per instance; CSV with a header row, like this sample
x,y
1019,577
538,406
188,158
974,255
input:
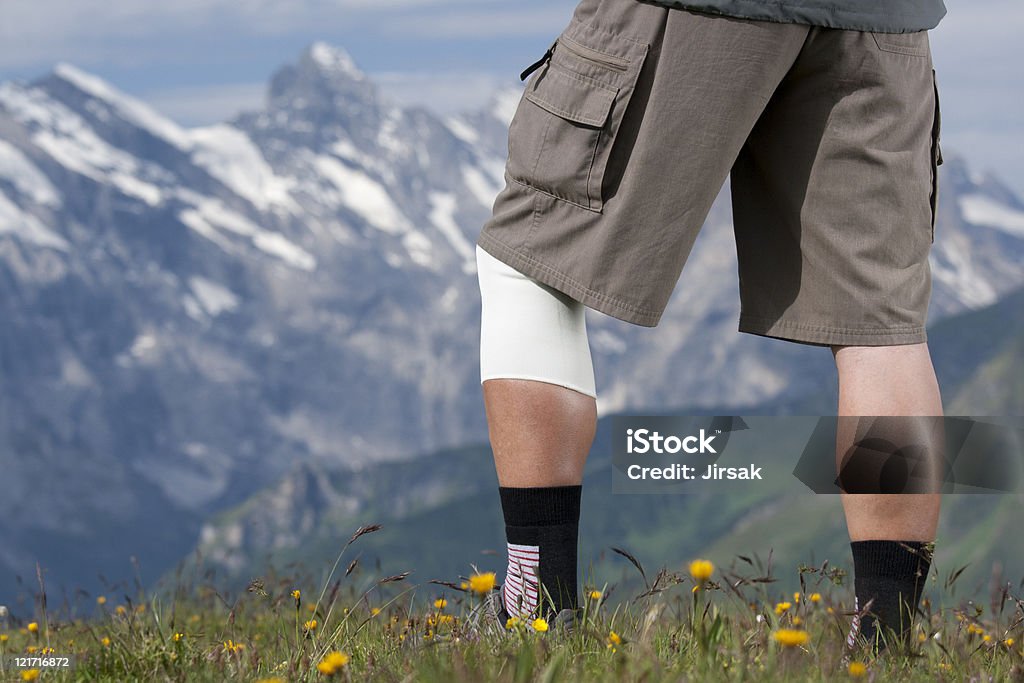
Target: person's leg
x,y
540,432
540,400
890,534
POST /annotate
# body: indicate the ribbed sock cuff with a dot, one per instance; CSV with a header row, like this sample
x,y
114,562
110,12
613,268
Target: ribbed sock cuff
x,y
540,506
895,559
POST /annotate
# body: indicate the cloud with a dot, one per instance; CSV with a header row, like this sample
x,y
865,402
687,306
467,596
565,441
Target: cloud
x,y
32,31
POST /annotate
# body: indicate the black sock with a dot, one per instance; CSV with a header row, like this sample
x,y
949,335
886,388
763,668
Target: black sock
x,y
891,574
542,522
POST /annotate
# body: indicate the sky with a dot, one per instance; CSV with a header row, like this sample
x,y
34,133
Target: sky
x,y
202,61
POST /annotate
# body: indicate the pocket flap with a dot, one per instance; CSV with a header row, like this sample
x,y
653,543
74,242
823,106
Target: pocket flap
x,y
572,96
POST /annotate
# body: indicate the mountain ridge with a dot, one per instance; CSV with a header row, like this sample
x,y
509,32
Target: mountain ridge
x,y
190,311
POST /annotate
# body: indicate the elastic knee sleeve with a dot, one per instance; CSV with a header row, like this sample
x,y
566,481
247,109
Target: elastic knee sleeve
x,y
529,330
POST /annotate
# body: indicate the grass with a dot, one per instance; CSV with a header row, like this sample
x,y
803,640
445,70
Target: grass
x,y
352,625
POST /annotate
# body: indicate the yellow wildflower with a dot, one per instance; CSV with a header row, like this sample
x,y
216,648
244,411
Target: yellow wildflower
x,y
796,597
797,621
332,663
782,607
374,611
178,637
297,594
101,600
482,583
440,603
614,639
857,669
31,649
540,625
30,675
512,622
3,637
701,570
310,625
788,637
121,610
815,597
33,627
232,646
595,595
105,641
1008,642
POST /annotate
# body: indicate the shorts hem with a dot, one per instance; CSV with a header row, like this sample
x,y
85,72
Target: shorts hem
x,y
823,335
544,273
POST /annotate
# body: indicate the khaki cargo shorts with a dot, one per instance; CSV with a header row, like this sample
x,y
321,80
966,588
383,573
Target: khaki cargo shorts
x,y
633,119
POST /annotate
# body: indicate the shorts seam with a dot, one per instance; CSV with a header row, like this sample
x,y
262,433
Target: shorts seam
x,y
828,328
558,275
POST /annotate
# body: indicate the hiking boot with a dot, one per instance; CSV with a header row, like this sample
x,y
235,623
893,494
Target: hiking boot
x,y
489,616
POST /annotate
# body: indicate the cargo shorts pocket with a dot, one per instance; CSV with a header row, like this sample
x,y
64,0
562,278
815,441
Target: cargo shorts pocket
x,y
913,44
563,131
936,155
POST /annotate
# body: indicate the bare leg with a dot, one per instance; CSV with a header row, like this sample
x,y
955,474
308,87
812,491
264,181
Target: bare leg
x,y
887,380
540,432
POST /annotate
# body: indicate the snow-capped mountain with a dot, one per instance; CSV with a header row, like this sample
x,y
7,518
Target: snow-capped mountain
x,y
187,312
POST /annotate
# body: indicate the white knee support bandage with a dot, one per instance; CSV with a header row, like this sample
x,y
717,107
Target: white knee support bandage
x,y
529,330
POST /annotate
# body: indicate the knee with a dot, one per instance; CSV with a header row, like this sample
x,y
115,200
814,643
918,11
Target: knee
x,y
530,330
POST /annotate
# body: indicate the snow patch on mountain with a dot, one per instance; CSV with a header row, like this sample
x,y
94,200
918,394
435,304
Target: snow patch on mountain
x,y
462,130
419,247
27,227
483,188
333,59
26,178
980,209
442,215
214,298
210,217
362,194
131,109
230,156
952,265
